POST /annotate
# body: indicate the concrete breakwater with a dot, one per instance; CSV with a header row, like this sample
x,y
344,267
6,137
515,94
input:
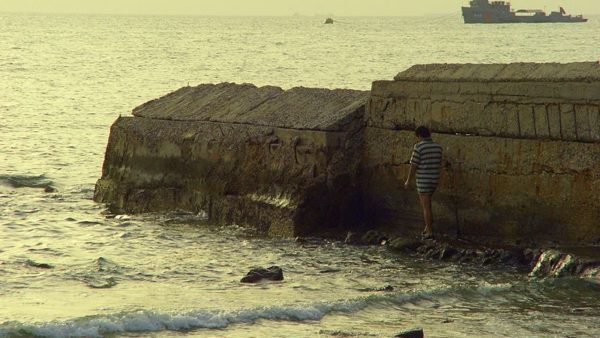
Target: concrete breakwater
x,y
522,142
283,162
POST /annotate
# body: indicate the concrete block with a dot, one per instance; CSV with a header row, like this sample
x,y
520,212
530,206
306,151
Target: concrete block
x,y
375,111
526,121
567,122
401,117
594,120
492,121
511,113
554,121
582,119
542,128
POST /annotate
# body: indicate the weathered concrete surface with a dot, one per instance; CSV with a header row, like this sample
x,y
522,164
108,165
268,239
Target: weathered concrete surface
x,y
275,160
522,142
541,101
298,108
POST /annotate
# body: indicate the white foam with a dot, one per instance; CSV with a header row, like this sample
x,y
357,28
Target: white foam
x,y
150,321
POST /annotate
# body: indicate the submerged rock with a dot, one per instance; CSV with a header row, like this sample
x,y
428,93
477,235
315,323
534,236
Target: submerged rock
x,y
273,273
413,333
49,189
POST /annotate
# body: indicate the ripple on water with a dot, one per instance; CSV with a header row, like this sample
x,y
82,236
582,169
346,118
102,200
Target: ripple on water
x,y
89,223
101,273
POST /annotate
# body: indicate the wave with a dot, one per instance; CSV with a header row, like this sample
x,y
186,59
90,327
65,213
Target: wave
x,y
154,321
27,181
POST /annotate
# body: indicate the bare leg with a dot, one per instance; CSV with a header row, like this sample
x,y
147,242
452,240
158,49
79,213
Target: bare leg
x,y
427,214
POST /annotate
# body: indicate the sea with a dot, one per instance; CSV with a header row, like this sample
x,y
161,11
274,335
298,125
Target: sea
x,y
69,268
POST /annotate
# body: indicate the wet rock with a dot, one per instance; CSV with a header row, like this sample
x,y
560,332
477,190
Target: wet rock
x,y
545,264
448,252
414,333
591,272
374,237
553,263
404,244
387,288
49,188
273,273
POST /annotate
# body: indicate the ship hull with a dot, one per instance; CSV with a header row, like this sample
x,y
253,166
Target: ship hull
x,y
471,15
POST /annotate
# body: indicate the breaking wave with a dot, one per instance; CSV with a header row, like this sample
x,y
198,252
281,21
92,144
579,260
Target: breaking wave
x,y
152,321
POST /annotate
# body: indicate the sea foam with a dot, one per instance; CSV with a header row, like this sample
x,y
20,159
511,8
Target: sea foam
x,y
154,321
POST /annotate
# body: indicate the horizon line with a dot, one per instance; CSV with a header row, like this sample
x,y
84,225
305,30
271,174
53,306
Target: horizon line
x,y
458,13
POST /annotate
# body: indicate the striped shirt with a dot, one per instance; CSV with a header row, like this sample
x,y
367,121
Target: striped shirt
x,y
427,157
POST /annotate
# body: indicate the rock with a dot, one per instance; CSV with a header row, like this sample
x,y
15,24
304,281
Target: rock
x,y
545,263
404,244
553,263
49,189
256,275
387,288
448,252
414,333
373,237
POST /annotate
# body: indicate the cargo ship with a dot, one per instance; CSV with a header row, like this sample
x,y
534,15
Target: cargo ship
x,y
484,11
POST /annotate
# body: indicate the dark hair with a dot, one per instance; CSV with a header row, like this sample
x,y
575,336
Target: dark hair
x,y
423,132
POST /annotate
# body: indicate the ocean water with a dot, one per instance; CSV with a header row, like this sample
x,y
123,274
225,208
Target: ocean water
x,y
70,269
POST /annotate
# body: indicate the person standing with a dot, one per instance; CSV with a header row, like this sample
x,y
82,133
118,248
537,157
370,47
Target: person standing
x,y
426,164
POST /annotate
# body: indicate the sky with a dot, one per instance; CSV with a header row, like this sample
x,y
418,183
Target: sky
x,y
277,7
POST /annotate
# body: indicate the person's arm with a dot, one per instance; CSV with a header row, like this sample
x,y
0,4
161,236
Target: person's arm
x,y
411,175
414,164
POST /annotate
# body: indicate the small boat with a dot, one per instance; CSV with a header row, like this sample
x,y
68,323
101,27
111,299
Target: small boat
x,y
329,21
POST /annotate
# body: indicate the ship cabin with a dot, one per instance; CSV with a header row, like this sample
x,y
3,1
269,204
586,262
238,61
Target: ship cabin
x,y
502,5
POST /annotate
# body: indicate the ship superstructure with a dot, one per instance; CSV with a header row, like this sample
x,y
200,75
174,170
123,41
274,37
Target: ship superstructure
x,y
485,11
